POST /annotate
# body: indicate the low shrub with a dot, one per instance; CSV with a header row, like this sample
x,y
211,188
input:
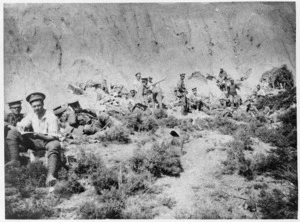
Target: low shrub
x,y
86,164
186,125
105,179
159,160
236,161
160,114
139,121
29,208
139,210
65,189
108,206
132,182
222,124
27,178
171,122
118,134
277,205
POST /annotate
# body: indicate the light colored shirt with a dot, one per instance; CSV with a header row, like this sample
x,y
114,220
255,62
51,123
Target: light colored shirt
x,y
194,98
48,124
260,92
136,84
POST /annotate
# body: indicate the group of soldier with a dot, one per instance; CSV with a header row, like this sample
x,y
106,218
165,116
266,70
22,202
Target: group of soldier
x,y
43,129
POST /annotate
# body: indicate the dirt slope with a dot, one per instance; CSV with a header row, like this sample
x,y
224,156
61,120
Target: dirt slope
x,y
48,45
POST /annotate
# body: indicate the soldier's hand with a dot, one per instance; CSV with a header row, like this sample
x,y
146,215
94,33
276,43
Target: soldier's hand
x,y
20,128
36,135
11,127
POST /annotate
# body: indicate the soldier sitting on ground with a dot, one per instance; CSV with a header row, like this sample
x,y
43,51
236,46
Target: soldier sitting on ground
x,y
196,101
131,98
252,109
44,136
77,121
11,119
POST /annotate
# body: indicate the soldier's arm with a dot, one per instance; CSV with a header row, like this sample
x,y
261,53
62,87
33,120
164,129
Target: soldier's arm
x,y
25,122
72,119
179,85
6,123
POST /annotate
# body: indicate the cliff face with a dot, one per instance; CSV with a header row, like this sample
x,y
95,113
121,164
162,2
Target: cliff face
x,y
48,45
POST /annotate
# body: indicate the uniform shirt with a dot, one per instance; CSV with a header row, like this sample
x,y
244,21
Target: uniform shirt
x,y
195,98
260,92
11,119
181,86
48,124
137,84
140,96
232,88
222,75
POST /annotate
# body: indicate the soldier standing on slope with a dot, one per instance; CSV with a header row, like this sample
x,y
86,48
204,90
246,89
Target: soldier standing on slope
x,y
137,82
181,94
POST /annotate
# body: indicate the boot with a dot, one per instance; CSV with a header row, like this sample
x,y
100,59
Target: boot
x,y
14,154
53,162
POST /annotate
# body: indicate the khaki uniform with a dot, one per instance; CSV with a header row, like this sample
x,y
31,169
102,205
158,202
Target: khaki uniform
x,y
85,122
141,95
11,119
181,90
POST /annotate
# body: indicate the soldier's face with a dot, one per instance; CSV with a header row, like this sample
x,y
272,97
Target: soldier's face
x,y
194,91
64,117
132,93
138,76
182,77
16,110
37,106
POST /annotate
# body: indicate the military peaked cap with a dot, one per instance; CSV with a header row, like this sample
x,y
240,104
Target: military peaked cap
x,y
35,96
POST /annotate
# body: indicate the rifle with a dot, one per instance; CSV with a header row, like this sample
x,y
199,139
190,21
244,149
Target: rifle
x,y
154,84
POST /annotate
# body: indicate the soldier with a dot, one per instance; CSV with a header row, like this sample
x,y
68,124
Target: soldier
x,y
11,119
137,82
132,94
62,115
222,79
104,86
44,137
232,93
151,84
196,100
259,93
141,96
181,94
78,121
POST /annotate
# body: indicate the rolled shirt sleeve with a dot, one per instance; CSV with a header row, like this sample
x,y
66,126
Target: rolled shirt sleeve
x,y
26,122
53,127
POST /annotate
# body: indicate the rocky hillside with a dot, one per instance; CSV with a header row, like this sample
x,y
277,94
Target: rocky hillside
x,y
48,45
